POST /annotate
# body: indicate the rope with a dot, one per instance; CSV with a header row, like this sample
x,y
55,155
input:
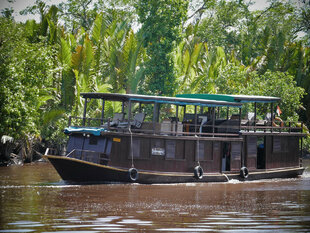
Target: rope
x,y
131,147
197,149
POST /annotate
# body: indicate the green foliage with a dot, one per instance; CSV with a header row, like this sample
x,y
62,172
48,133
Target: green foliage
x,y
78,13
232,79
161,28
221,22
306,145
26,75
305,20
188,60
277,84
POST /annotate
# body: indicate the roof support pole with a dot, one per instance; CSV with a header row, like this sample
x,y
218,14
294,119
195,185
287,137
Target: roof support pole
x,y
240,119
176,119
301,154
84,113
195,117
123,107
158,111
255,109
213,121
227,114
271,111
102,111
129,112
243,144
154,116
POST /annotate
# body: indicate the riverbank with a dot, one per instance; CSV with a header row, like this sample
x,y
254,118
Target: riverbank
x,y
19,160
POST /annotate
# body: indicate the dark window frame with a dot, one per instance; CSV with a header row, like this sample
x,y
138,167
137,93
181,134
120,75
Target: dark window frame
x,y
209,150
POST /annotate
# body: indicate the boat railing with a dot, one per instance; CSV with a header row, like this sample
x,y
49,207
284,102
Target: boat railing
x,y
188,129
272,126
88,155
222,128
81,121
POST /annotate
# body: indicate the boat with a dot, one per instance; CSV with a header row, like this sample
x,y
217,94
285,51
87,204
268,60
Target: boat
x,y
186,138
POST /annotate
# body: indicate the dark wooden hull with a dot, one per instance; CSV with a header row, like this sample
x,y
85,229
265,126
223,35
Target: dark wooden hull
x,y
74,170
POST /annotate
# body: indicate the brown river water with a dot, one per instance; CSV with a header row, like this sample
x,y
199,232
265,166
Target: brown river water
x,y
33,198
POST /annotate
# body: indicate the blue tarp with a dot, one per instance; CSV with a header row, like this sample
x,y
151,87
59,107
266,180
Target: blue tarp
x,y
91,130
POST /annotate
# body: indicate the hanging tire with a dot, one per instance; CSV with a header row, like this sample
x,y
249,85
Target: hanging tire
x,y
133,174
244,172
198,172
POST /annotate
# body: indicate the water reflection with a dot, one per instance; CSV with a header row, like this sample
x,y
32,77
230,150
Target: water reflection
x,y
33,198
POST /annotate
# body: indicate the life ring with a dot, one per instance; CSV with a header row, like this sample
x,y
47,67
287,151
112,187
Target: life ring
x,y
198,172
281,123
133,174
244,172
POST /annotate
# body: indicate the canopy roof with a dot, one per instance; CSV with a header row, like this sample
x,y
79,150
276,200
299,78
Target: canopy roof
x,y
179,100
232,98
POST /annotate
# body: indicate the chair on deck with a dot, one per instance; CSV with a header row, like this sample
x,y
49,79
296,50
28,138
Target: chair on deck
x,y
136,123
117,118
138,120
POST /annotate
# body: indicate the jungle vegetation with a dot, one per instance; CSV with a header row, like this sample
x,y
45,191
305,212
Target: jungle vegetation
x,y
159,47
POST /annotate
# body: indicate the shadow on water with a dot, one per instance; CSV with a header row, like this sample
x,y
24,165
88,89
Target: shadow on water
x,y
33,198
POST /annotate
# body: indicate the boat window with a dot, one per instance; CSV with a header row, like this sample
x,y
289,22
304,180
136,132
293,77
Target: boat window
x,y
252,147
109,146
276,145
251,152
205,151
103,144
93,141
170,149
136,147
235,150
235,156
201,152
280,144
216,150
180,149
284,144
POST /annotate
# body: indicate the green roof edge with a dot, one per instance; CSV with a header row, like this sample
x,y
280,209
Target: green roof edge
x,y
218,97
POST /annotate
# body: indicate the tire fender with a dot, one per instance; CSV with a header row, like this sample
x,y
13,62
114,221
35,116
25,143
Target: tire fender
x,y
198,172
133,174
244,172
